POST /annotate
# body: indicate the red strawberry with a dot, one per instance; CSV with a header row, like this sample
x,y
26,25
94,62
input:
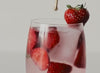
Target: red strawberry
x,y
76,15
32,39
40,58
52,39
80,60
59,68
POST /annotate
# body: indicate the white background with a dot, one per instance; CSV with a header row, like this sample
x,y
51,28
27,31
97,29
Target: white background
x,y
15,17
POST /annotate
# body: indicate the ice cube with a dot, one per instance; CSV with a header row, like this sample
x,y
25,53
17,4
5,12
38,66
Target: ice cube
x,y
65,50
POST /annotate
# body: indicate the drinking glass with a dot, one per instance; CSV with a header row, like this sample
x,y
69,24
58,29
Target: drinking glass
x,y
53,46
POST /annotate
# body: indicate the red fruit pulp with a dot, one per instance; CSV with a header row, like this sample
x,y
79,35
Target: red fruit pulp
x,y
59,68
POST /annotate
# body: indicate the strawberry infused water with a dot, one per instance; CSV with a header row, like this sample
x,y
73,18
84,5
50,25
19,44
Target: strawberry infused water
x,y
53,46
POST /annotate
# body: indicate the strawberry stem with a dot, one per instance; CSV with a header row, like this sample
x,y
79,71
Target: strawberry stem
x,y
78,7
69,6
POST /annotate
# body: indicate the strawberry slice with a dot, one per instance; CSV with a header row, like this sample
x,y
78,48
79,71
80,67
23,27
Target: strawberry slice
x,y
40,58
32,39
80,60
59,68
52,39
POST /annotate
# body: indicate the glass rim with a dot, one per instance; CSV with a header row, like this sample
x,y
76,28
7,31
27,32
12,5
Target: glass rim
x,y
51,21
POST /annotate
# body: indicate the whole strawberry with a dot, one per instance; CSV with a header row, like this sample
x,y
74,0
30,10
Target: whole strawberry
x,y
77,14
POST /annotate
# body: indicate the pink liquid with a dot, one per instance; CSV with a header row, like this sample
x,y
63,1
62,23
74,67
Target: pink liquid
x,y
70,51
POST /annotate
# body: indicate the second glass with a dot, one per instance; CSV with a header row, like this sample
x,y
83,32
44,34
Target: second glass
x,y
55,47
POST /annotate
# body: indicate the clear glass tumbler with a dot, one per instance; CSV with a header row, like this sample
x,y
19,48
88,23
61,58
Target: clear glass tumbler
x,y
53,46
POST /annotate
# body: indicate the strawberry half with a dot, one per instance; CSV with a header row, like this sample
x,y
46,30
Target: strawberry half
x,y
40,58
80,60
77,14
52,39
32,39
59,68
